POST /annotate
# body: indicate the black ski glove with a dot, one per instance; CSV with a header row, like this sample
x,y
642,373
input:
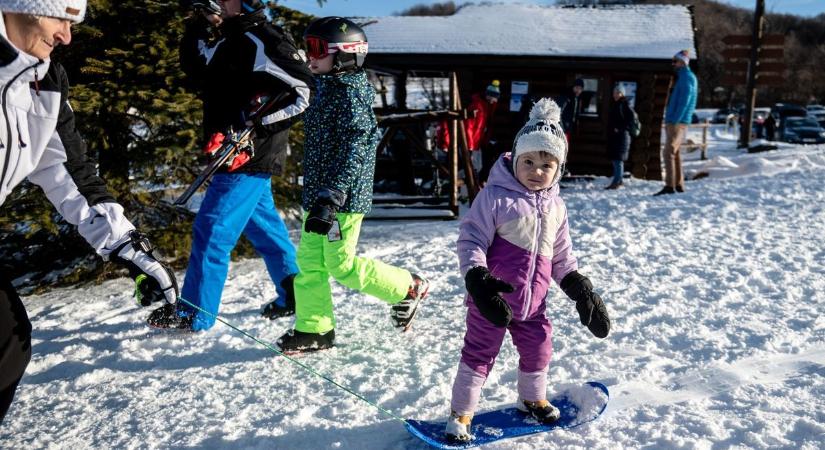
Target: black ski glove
x,y
154,281
591,308
322,215
485,290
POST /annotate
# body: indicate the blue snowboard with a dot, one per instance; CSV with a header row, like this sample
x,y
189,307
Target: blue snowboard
x,y
578,405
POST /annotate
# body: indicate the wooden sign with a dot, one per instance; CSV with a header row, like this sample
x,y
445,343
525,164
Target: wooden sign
x,y
742,66
761,80
744,53
770,80
742,39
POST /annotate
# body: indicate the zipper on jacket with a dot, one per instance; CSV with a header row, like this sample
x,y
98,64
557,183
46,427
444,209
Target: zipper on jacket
x,y
534,256
7,144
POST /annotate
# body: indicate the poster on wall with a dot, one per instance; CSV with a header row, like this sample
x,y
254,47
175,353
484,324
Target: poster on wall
x,y
518,89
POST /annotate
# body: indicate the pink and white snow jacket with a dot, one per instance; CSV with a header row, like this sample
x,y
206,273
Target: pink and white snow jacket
x,y
521,236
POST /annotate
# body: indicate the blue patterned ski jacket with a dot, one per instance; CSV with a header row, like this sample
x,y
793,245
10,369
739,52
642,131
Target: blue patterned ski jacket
x,y
340,138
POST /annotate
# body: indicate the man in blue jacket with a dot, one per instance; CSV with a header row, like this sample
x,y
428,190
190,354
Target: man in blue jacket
x,y
679,111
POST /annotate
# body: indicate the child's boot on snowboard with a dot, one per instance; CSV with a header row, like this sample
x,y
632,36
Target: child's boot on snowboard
x,y
458,428
541,410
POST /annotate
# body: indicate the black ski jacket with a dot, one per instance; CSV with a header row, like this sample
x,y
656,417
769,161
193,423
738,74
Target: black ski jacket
x,y
246,58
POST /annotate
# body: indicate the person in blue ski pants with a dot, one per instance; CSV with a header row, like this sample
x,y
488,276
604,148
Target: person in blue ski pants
x,y
237,59
234,204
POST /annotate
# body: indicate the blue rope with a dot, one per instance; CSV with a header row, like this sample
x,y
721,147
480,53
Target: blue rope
x,y
294,361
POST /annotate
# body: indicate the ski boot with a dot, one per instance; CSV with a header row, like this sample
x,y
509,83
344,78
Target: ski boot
x,y
295,341
404,311
458,428
541,410
167,317
274,310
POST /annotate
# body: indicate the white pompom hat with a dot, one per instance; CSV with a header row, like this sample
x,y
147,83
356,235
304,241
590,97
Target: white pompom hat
x,y
542,133
73,10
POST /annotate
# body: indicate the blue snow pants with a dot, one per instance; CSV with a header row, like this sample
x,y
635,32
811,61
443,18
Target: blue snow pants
x,y
234,204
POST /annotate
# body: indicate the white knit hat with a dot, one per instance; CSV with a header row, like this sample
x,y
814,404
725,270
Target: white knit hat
x,y
73,10
542,133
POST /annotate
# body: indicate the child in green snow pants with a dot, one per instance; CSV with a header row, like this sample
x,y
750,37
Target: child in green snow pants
x,y
319,258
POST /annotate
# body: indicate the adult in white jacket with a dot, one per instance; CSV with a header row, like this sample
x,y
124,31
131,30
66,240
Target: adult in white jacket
x,y
39,142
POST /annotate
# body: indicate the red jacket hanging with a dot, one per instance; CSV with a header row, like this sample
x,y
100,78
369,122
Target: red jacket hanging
x,y
478,131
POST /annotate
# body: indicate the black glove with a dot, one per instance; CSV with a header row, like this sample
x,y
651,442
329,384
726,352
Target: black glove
x,y
592,312
153,280
322,215
485,290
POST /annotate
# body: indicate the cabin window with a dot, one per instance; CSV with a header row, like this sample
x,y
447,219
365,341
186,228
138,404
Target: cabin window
x,y
590,96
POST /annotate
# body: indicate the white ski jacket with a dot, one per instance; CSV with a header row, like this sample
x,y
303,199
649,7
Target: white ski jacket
x,y
39,141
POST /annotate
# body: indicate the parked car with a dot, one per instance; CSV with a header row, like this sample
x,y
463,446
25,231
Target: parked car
x,y
802,130
723,115
782,110
815,109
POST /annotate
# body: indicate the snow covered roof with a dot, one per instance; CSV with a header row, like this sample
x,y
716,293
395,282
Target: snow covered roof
x,y
639,32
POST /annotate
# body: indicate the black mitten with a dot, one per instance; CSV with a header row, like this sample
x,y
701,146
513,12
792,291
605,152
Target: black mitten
x,y
591,308
485,290
322,215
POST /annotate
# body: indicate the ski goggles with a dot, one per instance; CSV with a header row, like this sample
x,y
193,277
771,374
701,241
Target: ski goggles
x,y
318,48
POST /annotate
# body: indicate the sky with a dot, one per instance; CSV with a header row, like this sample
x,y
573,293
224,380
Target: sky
x,y
386,8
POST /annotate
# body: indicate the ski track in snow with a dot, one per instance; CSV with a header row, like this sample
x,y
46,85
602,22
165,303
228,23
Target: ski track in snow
x,y
718,342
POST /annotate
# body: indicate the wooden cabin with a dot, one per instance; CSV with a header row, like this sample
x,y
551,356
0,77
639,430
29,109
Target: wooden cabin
x,y
539,51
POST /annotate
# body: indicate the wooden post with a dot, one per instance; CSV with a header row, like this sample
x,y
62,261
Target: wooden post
x,y
469,172
705,140
753,67
454,145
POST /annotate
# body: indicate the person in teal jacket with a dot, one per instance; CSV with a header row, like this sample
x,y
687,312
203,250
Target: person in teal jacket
x,y
680,107
341,135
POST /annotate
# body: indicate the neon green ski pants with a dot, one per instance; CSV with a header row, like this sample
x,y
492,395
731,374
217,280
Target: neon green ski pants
x,y
319,258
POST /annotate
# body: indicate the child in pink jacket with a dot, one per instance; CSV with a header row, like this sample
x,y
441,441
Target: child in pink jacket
x,y
514,240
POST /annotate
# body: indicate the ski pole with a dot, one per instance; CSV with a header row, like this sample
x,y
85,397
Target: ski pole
x,y
303,366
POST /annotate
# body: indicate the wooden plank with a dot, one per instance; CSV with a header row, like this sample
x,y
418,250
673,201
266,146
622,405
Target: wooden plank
x,y
744,53
741,66
773,40
745,39
737,39
763,80
733,80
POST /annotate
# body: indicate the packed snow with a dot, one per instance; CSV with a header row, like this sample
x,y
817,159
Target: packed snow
x,y
619,31
716,297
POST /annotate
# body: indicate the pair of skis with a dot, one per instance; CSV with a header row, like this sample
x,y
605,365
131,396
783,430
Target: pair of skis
x,y
231,145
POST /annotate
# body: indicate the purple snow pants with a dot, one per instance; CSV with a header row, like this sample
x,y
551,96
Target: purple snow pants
x,y
482,342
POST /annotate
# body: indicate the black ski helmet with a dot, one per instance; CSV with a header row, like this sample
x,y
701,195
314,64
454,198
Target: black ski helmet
x,y
251,6
342,34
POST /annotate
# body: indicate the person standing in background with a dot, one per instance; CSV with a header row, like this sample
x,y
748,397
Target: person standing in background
x,y
680,107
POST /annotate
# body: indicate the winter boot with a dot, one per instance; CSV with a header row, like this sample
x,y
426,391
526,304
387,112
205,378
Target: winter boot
x,y
274,310
404,311
665,190
167,317
295,341
680,188
458,428
540,410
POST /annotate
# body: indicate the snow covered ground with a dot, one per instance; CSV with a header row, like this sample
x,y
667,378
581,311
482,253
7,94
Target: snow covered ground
x,y
718,341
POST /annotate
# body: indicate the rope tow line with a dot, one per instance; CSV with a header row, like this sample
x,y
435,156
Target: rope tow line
x,y
303,366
